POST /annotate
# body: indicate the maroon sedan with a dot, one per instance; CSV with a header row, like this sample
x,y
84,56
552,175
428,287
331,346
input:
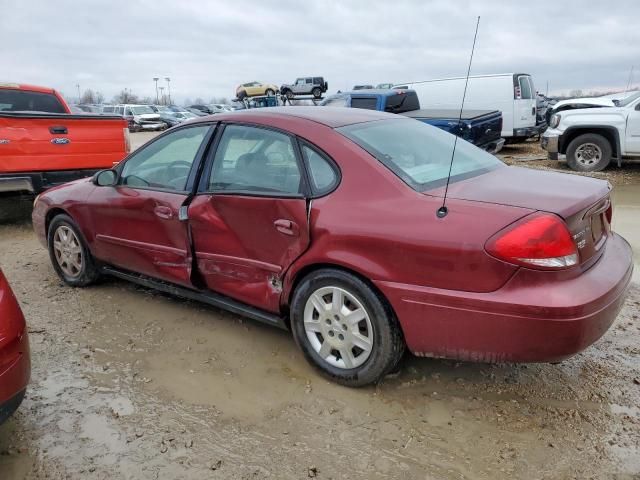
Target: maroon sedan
x,y
324,221
15,367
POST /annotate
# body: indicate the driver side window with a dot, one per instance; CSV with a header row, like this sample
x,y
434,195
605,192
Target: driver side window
x,y
166,163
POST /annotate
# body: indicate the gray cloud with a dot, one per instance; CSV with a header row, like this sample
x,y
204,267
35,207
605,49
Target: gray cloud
x,y
208,47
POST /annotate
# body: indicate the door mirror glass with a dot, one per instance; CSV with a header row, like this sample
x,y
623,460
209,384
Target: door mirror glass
x,y
105,178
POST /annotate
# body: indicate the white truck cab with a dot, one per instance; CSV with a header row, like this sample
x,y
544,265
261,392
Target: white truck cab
x,y
591,137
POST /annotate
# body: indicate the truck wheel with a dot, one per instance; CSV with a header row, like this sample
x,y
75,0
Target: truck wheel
x,y
69,253
589,153
269,92
344,328
316,92
15,208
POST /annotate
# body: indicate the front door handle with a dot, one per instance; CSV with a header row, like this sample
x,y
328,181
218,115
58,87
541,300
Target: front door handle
x,y
163,212
286,226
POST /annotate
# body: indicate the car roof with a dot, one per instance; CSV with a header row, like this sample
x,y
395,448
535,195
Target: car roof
x,y
330,116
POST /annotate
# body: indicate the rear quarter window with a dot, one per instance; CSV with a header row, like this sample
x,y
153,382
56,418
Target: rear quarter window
x,y
25,101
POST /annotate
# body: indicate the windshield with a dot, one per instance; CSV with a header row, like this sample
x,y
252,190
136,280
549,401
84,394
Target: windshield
x,y
418,153
141,110
628,100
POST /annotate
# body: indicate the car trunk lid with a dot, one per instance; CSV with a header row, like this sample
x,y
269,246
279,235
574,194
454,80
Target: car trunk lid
x,y
581,201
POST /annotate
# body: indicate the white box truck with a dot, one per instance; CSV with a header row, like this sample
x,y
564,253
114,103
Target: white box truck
x,y
511,93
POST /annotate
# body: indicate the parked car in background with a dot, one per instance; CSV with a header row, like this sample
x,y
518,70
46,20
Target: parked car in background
x,y
592,137
383,86
174,118
42,144
252,89
511,93
362,87
323,221
315,86
480,127
542,107
15,364
206,109
220,108
139,117
196,111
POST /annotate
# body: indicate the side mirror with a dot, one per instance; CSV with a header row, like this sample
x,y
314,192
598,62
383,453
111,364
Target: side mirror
x,y
105,178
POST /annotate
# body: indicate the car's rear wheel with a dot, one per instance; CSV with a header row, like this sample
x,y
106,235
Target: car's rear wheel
x,y
316,92
589,153
344,328
69,253
269,92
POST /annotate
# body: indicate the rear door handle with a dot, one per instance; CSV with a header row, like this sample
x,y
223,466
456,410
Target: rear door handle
x,y
58,130
163,212
286,226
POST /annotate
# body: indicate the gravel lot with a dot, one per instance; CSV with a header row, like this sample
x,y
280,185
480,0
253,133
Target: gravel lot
x,y
128,383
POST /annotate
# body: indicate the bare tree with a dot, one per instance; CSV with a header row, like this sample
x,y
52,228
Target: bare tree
x,y
88,97
199,101
99,97
126,96
147,101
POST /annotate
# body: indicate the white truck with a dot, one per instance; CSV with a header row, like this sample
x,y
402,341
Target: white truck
x,y
512,93
592,137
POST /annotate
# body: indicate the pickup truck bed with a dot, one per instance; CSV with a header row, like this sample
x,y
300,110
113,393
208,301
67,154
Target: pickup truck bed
x,y
40,150
482,127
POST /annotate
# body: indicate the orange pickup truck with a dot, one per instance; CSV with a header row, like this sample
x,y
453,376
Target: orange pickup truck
x,y
43,144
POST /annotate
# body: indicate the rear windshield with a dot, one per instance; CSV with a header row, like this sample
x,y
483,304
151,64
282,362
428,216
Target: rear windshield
x,y
405,102
418,153
23,101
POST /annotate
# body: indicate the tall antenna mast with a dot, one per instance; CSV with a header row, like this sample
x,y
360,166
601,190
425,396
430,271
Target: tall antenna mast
x,y
629,82
442,211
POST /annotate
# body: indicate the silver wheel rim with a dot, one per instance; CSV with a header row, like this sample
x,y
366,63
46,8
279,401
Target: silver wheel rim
x,y
338,327
67,250
588,154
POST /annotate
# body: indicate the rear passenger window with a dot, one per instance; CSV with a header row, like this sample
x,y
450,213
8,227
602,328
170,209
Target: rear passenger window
x,y
255,160
323,176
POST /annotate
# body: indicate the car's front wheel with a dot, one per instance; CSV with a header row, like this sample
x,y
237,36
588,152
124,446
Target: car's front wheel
x,y
589,153
344,328
69,253
269,92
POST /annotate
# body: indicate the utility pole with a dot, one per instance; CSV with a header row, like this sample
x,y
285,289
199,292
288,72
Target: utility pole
x,y
162,96
78,87
155,79
168,88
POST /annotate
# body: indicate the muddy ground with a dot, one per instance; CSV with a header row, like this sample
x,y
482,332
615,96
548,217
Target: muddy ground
x,y
132,384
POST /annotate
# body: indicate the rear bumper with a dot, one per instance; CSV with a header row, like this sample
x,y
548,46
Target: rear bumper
x,y
530,319
14,375
10,406
525,132
494,146
36,182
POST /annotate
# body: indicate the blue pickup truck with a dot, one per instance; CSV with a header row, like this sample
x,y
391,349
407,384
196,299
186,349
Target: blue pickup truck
x,y
480,127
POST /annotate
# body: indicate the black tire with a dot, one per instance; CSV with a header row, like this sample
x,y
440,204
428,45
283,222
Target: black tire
x,y
269,92
316,92
289,94
89,272
242,95
388,343
589,153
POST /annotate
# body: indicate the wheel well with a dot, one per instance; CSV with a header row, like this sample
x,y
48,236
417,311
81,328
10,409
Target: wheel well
x,y
605,132
54,212
305,271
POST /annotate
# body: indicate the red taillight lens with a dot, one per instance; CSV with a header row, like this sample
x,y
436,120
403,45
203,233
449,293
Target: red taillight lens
x,y
539,240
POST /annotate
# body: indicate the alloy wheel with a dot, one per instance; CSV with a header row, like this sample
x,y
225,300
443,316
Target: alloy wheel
x,y
338,327
68,251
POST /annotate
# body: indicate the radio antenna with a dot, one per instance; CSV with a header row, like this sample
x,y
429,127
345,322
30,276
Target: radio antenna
x,y
442,211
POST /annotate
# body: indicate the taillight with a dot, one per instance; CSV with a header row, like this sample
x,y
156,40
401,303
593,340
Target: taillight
x,y
127,140
540,240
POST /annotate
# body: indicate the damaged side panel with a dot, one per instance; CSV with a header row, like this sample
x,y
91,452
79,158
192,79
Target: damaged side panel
x,y
244,244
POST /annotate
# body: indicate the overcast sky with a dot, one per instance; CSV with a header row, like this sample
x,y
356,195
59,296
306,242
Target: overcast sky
x,y
208,48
